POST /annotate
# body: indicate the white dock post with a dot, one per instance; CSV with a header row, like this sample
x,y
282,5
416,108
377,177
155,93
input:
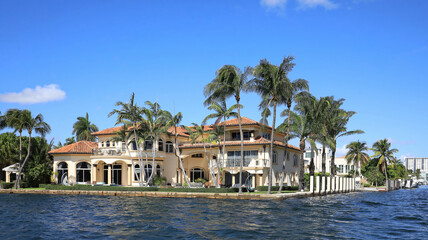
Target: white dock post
x,y
311,184
341,184
328,185
336,184
318,182
323,184
346,184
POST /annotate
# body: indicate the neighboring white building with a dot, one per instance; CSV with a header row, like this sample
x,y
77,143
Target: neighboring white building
x,y
317,160
417,163
343,168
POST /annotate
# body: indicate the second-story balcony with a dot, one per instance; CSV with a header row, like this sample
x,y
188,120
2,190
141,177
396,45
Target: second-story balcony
x,y
107,152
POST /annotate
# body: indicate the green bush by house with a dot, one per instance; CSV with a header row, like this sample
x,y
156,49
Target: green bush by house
x,y
276,188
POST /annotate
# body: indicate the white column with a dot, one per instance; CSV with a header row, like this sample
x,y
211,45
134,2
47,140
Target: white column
x,y
7,176
340,184
311,183
353,184
93,173
323,185
328,185
318,182
129,175
347,184
109,175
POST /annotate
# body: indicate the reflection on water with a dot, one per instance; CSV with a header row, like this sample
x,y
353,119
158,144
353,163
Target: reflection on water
x,y
399,214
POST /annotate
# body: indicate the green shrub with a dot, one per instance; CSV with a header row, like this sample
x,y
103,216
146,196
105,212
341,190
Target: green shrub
x,y
276,188
7,185
98,188
200,180
159,181
201,190
366,185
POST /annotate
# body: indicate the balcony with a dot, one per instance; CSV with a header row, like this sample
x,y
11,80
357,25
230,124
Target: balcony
x,y
106,152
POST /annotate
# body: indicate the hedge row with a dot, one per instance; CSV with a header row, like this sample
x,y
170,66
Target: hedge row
x,y
140,189
201,190
9,185
97,188
276,188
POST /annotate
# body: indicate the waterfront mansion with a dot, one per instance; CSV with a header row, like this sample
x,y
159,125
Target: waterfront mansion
x,y
109,162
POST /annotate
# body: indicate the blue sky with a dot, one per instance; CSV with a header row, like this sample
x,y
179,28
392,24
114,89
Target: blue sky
x,y
66,58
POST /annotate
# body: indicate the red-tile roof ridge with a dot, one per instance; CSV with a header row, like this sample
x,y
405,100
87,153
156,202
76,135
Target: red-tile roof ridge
x,y
81,147
245,121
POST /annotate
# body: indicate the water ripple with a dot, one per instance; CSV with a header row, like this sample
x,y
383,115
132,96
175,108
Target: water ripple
x,y
399,214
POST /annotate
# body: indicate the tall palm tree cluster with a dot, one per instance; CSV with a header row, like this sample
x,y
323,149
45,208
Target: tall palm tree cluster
x,y
23,121
314,120
143,126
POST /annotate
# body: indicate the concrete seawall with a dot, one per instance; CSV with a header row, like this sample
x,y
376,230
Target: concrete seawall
x,y
244,196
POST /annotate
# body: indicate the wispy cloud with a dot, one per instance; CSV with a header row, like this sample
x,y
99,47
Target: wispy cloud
x,y
401,142
341,151
273,3
327,4
47,93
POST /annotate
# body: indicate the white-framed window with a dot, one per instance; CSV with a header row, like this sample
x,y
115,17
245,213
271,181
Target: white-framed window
x,y
123,146
148,145
137,171
83,172
108,144
340,170
169,147
160,145
266,135
62,172
308,155
197,155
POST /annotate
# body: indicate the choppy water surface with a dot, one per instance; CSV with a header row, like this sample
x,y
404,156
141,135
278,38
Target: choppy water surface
x,y
399,214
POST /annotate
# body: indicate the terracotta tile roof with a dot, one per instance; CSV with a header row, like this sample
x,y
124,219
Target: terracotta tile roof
x,y
257,141
81,147
108,131
245,122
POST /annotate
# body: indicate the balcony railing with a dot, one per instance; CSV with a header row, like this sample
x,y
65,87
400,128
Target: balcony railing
x,y
106,152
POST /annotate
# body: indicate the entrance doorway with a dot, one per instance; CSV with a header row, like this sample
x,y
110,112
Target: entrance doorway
x,y
116,176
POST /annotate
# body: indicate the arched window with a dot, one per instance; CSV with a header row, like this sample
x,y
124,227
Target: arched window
x,y
102,144
137,171
83,172
148,171
108,144
123,146
169,147
196,173
148,145
62,172
295,160
158,170
160,145
134,145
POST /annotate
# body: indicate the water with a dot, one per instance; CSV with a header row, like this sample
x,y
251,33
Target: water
x,y
399,214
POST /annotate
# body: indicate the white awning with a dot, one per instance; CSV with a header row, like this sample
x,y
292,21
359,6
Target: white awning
x,y
12,168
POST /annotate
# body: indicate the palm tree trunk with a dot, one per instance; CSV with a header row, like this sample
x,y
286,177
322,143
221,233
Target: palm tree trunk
x,y
218,167
21,167
333,165
323,160
271,148
177,153
153,161
224,142
138,152
386,175
242,147
311,164
285,151
301,165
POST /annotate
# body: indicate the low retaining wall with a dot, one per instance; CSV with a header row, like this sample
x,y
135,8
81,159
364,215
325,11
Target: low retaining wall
x,y
165,194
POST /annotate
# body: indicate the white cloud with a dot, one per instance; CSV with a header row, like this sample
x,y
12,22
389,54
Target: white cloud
x,y
47,93
273,3
317,3
340,152
401,142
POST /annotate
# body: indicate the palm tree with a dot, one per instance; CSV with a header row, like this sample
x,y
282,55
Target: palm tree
x,y
2,122
299,128
221,111
384,154
197,132
155,119
175,121
129,114
336,128
37,125
69,141
15,119
275,88
83,129
357,154
230,81
124,137
215,137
